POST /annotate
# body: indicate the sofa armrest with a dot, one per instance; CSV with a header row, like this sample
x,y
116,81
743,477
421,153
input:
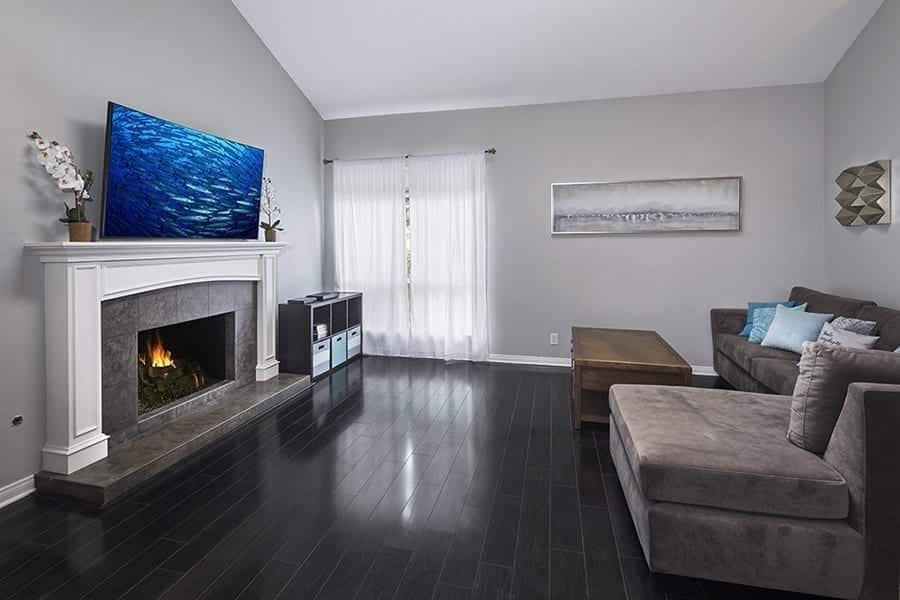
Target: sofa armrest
x,y
864,448
727,320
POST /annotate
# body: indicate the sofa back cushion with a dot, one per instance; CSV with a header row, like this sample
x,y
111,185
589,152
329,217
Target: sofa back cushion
x,y
825,374
820,302
888,328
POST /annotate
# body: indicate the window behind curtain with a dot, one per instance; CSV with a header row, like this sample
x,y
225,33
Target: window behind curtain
x,y
410,235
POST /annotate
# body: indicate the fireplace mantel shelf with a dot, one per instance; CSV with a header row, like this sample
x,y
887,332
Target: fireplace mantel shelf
x,y
80,276
143,250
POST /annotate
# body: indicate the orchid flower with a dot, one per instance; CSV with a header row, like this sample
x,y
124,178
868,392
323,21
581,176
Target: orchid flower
x,y
59,163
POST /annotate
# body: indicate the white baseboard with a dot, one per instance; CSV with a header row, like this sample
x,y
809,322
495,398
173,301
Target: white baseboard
x,y
560,361
537,361
16,490
704,371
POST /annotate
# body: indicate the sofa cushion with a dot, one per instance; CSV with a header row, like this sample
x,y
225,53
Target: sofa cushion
x,y
820,302
835,336
751,307
791,329
723,449
763,319
888,328
825,374
858,326
737,377
742,352
777,374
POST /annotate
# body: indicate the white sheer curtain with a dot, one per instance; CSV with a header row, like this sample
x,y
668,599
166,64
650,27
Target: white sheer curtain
x,y
448,286
370,248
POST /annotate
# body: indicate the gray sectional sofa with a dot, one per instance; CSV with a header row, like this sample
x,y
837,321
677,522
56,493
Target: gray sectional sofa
x,y
716,491
753,368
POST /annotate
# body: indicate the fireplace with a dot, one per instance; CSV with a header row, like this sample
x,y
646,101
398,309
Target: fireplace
x,y
182,359
167,353
98,297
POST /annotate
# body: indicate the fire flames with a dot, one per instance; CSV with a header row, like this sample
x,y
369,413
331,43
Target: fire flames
x,y
156,354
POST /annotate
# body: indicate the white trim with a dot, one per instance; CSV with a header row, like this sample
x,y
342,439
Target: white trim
x,y
108,251
538,361
561,361
704,371
16,490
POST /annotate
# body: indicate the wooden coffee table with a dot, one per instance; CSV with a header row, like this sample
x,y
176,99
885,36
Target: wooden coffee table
x,y
602,358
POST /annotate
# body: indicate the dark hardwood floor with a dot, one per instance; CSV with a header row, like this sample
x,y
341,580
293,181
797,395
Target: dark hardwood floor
x,y
434,481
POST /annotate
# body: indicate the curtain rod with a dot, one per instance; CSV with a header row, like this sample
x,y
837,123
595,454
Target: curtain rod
x,y
328,161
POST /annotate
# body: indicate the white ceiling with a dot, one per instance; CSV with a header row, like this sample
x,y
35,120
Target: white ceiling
x,y
358,57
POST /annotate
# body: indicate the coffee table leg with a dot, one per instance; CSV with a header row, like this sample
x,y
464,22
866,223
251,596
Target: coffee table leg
x,y
576,392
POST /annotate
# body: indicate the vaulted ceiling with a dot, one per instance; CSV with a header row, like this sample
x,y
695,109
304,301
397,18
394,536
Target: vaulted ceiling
x,y
358,57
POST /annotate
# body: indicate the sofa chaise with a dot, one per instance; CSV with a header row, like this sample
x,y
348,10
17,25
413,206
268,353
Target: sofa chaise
x,y
716,491
753,368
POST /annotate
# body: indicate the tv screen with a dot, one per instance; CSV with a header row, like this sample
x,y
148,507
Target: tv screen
x,y
164,180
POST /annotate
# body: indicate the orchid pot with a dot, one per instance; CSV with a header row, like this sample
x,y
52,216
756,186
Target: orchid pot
x,y
80,231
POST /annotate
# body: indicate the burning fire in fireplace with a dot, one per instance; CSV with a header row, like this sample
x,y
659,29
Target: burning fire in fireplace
x,y
160,378
156,353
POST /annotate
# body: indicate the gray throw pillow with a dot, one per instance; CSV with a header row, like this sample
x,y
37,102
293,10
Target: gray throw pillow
x,y
825,374
855,325
834,336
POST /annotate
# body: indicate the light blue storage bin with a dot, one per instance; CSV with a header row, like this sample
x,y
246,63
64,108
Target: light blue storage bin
x,y
354,341
338,349
321,357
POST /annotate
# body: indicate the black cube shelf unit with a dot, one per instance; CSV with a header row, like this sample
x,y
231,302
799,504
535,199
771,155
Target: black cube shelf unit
x,y
304,349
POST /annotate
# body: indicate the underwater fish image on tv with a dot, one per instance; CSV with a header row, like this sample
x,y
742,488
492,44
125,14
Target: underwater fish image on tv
x,y
164,180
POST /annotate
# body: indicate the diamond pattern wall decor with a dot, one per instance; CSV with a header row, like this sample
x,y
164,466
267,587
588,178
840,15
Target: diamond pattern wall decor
x,y
865,197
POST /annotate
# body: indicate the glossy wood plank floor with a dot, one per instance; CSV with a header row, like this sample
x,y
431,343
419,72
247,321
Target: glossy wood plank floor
x,y
432,481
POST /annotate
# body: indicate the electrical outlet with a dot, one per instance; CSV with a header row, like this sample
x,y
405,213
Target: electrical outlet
x,y
554,339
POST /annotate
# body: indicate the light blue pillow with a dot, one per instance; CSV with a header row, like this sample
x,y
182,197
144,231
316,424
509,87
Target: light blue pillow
x,y
762,320
791,328
751,308
897,350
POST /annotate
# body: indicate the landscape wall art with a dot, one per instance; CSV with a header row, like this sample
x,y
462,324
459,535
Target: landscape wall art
x,y
675,205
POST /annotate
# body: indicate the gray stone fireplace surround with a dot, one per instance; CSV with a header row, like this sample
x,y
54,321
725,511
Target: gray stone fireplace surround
x,y
123,318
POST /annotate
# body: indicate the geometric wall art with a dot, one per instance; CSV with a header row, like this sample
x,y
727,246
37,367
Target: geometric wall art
x,y
865,197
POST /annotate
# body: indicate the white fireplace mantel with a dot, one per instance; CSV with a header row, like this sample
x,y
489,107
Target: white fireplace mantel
x,y
78,276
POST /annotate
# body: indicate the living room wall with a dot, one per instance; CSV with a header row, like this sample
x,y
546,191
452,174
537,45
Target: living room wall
x,y
862,124
537,284
196,63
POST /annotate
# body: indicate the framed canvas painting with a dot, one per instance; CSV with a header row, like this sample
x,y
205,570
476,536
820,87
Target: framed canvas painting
x,y
671,205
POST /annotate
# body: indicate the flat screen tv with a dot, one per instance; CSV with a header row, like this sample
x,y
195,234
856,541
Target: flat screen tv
x,y
164,180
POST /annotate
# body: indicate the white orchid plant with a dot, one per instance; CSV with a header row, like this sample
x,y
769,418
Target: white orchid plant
x,y
57,160
269,208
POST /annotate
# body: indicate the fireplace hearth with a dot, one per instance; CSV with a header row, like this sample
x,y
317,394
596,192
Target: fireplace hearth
x,y
176,361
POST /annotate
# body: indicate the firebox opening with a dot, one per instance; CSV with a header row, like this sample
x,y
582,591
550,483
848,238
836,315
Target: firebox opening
x,y
179,360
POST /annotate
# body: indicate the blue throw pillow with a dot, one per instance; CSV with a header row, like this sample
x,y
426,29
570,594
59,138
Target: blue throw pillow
x,y
752,306
791,328
762,320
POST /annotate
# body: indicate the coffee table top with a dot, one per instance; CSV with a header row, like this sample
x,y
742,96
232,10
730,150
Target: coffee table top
x,y
624,349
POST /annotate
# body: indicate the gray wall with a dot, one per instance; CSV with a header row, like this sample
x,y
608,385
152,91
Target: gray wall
x,y
773,137
863,124
194,62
